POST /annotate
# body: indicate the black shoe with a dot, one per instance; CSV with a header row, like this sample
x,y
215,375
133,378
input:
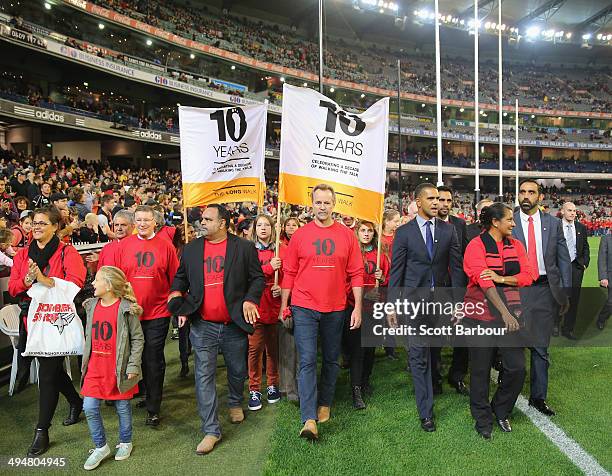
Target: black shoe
x,y
437,388
152,419
367,390
74,414
541,406
569,335
460,387
555,331
40,444
184,370
486,434
428,424
142,403
358,403
601,325
504,425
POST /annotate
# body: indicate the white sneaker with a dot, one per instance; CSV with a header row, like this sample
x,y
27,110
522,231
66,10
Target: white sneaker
x,y
96,456
124,450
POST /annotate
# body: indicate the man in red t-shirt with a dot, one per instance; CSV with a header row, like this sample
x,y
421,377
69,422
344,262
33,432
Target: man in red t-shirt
x,y
322,256
150,263
123,226
218,285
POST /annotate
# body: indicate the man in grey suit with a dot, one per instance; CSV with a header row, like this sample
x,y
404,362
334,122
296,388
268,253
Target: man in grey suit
x,y
426,255
542,235
604,268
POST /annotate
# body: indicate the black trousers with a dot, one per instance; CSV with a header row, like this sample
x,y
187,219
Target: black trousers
x,y
154,360
53,380
459,365
183,339
606,310
513,362
361,359
569,321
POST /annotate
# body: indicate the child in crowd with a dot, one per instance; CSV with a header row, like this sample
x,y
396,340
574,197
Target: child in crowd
x,y
111,360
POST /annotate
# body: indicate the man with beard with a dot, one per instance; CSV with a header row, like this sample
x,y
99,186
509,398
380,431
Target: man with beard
x,y
459,365
542,236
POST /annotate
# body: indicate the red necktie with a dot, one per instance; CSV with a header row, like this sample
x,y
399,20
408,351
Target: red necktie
x,y
532,254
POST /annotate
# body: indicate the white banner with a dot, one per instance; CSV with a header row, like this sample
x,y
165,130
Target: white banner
x,y
320,142
222,154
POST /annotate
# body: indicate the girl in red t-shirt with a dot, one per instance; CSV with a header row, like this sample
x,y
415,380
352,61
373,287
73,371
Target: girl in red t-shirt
x,y
112,359
361,359
265,336
290,226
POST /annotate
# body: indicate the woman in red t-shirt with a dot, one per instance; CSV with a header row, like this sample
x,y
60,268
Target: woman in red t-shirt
x,y
111,359
265,336
391,222
290,226
361,359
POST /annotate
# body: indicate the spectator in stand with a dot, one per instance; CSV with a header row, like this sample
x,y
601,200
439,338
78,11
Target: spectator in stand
x,y
6,251
22,204
19,184
290,226
105,218
318,300
7,207
149,263
90,232
22,232
44,199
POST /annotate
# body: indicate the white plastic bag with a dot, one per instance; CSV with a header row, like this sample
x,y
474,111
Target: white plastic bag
x,y
54,328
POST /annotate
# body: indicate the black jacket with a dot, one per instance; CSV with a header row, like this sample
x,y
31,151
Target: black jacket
x,y
461,229
243,279
583,252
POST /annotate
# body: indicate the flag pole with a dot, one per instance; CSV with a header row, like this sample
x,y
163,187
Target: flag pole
x,y
516,151
501,101
476,106
186,225
399,136
321,46
438,94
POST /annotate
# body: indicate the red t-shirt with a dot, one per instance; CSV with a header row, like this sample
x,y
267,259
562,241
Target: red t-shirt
x,y
269,306
150,266
387,245
101,375
320,261
107,254
213,306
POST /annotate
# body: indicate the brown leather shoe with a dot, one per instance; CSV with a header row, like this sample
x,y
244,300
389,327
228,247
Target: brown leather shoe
x,y
236,415
207,444
310,431
323,414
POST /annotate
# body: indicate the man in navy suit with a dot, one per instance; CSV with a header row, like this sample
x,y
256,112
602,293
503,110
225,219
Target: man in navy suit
x,y
426,255
542,235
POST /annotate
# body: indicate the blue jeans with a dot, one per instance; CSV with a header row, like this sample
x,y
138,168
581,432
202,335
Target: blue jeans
x,y
206,338
91,407
307,324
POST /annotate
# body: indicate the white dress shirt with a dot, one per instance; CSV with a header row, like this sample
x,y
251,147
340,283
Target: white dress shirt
x,y
569,231
537,225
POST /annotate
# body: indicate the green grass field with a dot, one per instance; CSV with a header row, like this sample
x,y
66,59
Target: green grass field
x,y
383,439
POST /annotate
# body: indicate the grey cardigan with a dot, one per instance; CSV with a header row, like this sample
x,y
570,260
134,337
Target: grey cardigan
x,y
130,342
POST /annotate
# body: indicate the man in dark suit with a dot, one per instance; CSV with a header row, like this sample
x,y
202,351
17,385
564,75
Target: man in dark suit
x,y
218,286
459,364
578,247
426,254
604,270
542,236
474,229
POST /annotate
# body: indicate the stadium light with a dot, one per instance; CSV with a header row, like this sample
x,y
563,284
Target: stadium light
x,y
362,95
234,67
149,42
305,85
599,36
331,90
487,25
461,109
192,56
533,31
568,35
586,36
101,26
282,78
47,6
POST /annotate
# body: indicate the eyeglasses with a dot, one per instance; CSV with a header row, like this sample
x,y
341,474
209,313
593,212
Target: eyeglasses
x,y
40,223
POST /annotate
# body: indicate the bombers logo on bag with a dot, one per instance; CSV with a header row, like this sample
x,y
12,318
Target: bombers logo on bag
x,y
58,315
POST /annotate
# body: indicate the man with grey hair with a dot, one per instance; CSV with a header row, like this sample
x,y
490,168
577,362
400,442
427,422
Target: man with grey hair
x,y
578,246
123,226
